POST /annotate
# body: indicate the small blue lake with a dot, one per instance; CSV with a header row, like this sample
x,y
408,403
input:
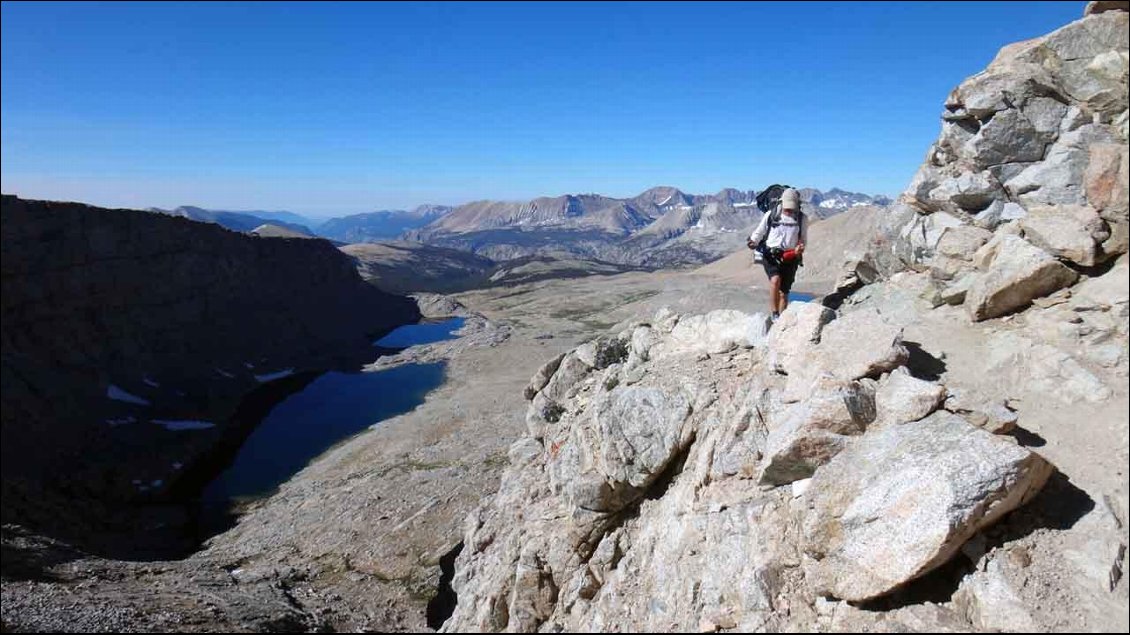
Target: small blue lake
x,y
797,296
326,411
331,408
422,333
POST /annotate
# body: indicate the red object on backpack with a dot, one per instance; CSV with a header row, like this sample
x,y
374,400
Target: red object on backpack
x,y
788,255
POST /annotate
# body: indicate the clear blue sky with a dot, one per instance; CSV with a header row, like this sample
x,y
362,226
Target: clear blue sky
x,y
341,108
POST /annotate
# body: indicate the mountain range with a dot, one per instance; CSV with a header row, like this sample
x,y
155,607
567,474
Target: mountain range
x,y
240,221
378,226
660,227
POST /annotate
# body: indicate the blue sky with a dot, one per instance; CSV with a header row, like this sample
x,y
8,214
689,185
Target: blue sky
x,y
328,108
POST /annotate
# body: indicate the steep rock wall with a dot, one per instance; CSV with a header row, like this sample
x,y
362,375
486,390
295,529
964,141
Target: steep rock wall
x,y
114,319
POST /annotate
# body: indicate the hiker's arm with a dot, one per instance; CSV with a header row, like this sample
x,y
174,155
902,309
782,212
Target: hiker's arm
x,y
803,244
759,233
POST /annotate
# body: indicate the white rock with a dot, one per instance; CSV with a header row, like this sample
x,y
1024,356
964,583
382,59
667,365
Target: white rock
x,y
1016,273
991,600
797,330
955,292
902,398
815,430
1071,232
862,344
903,499
716,332
541,378
627,438
664,320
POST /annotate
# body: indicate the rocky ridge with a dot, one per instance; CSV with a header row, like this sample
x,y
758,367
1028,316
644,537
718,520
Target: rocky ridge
x,y
1046,383
670,463
867,464
131,337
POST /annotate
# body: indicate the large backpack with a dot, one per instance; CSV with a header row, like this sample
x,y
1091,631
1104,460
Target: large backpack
x,y
769,198
769,202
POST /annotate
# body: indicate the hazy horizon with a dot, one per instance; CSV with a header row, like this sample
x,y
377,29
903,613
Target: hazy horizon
x,y
326,216
330,109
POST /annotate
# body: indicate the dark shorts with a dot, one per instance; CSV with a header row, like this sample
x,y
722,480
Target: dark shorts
x,y
787,271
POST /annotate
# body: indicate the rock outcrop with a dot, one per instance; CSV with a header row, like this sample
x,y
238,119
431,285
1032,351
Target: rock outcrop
x,y
881,463
116,319
1019,213
905,499
877,452
1034,149
638,506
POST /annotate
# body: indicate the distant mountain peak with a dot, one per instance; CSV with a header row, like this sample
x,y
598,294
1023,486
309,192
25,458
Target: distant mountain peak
x,y
380,225
245,222
660,226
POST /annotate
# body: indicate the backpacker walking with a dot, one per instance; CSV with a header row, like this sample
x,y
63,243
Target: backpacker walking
x,y
780,238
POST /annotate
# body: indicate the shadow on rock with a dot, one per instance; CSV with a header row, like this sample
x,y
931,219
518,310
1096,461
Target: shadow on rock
x,y
923,365
936,587
27,556
1059,505
1027,438
443,604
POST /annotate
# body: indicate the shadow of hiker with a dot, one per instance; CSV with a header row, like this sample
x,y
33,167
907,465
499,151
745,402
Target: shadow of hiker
x,y
921,364
1027,438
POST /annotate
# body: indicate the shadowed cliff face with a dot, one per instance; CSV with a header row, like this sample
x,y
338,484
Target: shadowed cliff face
x,y
129,338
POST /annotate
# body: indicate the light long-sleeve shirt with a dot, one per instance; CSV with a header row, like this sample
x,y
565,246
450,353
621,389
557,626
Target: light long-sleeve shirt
x,y
789,231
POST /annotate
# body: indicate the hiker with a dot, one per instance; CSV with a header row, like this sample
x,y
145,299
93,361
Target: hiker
x,y
780,239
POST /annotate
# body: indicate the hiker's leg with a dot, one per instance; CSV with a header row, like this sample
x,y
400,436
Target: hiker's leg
x,y
774,292
788,275
773,272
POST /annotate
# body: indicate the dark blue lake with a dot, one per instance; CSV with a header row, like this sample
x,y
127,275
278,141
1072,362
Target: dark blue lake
x,y
331,408
422,333
326,411
797,296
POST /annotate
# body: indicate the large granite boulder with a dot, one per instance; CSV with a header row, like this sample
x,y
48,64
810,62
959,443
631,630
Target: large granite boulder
x,y
810,433
1068,232
902,500
716,332
620,444
1017,272
797,330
